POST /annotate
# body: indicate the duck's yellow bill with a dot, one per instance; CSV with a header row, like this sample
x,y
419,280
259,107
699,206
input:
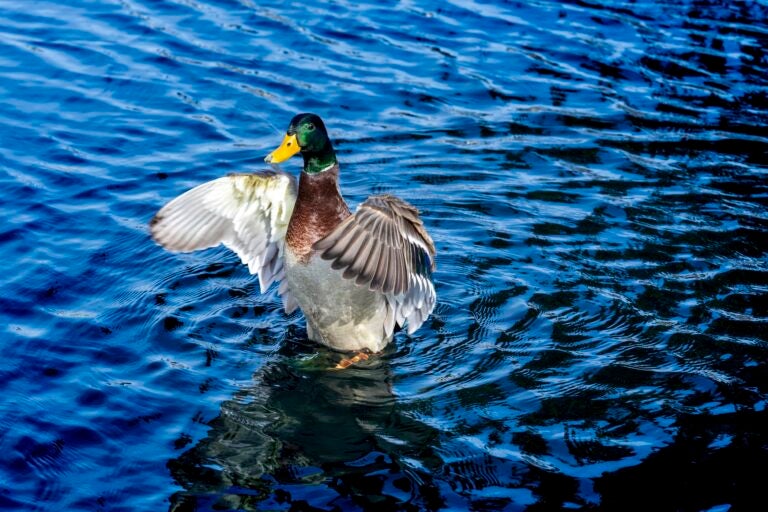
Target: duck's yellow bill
x,y
286,150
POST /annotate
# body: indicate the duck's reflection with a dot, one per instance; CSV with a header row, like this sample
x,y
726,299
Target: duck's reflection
x,y
306,433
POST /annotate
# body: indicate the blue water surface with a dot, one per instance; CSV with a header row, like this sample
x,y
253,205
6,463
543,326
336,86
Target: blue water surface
x,y
594,175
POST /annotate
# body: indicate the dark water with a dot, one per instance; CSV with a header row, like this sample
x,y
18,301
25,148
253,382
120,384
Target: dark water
x,y
594,175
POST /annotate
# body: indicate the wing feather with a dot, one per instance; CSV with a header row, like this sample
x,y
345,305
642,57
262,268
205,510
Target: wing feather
x,y
371,264
247,213
377,283
385,247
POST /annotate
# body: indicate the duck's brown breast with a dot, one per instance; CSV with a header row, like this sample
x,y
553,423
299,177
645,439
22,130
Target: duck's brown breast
x,y
319,209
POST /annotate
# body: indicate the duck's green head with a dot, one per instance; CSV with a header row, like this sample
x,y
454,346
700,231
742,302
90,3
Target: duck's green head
x,y
306,135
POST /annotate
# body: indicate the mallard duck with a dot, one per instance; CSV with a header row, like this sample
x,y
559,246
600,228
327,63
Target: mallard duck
x,y
355,276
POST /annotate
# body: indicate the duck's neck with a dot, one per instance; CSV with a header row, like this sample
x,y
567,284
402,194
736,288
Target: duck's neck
x,y
318,162
319,208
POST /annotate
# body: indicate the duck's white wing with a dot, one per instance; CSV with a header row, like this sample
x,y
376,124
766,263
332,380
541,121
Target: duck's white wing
x,y
384,246
248,213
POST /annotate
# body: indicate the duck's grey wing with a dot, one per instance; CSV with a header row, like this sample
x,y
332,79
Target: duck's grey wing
x,y
248,213
385,247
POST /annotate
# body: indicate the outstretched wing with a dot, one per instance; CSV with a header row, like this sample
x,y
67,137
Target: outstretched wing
x,y
385,247
248,213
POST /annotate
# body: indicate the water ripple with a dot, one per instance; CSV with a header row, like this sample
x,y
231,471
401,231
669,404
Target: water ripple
x,y
593,175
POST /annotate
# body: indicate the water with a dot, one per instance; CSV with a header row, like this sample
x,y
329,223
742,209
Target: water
x,y
593,175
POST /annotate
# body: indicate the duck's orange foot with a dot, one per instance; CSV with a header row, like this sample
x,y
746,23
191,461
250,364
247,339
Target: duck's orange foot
x,y
346,363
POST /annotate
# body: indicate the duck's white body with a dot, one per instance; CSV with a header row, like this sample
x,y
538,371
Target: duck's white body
x,y
349,317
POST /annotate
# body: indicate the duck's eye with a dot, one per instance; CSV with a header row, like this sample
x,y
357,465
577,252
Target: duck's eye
x,y
310,127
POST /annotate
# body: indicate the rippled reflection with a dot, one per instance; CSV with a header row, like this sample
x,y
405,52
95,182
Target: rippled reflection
x,y
336,435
